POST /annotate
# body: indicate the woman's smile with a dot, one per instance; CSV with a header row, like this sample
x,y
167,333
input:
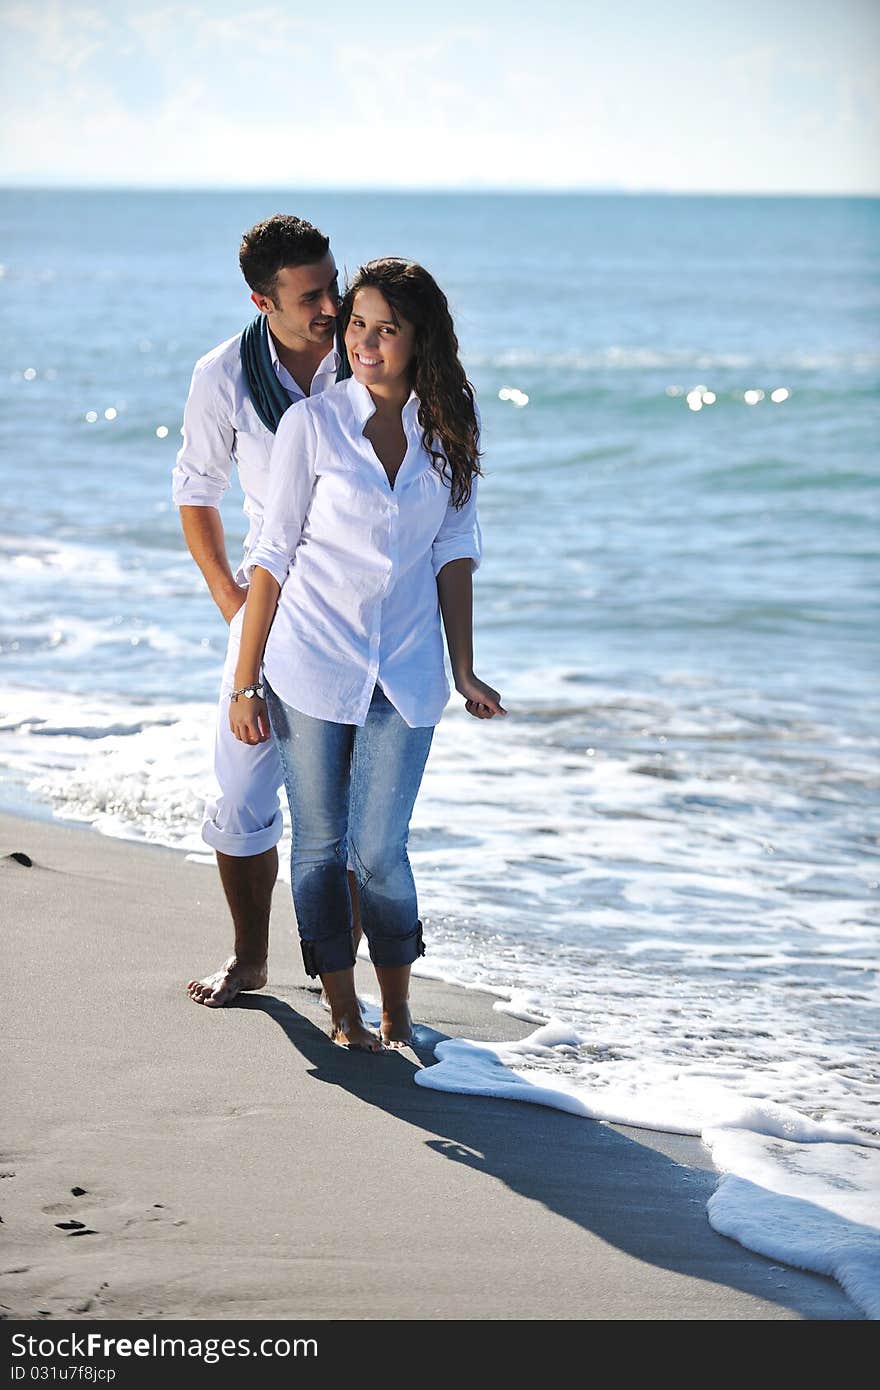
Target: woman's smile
x,y
373,321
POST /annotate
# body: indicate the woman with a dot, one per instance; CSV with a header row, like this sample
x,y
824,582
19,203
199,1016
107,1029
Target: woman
x,y
370,533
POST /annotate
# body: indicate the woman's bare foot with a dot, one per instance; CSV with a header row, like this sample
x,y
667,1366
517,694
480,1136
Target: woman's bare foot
x,y
351,1033
231,979
347,1029
397,1029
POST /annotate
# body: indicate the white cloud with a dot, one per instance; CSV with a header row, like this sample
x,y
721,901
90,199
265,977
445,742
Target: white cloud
x,y
231,94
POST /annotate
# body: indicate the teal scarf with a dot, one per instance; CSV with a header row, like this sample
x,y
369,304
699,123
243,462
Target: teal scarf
x,y
270,400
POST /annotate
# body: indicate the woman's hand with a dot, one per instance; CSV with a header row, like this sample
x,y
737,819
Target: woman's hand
x,y
480,699
249,719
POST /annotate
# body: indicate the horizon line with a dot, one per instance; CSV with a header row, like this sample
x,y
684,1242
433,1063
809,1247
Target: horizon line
x,y
598,190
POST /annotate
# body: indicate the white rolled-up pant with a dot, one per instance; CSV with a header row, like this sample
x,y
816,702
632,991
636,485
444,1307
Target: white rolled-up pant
x,y
245,818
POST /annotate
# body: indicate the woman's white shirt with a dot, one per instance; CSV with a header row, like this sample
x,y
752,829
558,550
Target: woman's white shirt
x,y
358,562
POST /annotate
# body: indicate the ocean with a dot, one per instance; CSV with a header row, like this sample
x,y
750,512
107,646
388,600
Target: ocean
x,y
667,856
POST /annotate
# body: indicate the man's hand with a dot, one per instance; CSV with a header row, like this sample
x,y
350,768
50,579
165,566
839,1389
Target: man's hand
x,y
480,699
203,531
231,602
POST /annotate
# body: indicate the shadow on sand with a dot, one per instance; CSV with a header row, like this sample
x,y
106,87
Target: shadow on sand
x,y
625,1192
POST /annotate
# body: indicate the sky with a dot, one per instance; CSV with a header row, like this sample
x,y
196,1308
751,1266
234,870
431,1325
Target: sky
x,y
750,96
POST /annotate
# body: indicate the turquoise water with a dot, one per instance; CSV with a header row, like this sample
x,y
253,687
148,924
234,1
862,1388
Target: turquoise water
x,y
739,538
674,837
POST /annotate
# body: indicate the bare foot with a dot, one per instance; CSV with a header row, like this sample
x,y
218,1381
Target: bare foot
x,y
348,1031
397,1029
222,987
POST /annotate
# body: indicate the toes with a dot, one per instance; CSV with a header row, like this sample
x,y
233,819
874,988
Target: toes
x,y
218,996
365,1043
204,994
215,990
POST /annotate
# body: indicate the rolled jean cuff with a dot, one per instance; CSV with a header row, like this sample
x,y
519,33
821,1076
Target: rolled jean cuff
x,y
396,950
332,953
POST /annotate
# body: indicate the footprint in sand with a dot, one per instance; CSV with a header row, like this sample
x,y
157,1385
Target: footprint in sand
x,y
123,1218
61,1208
151,1216
71,1226
75,1228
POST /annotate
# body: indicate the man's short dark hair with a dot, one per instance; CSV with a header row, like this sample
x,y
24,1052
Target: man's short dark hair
x,y
271,245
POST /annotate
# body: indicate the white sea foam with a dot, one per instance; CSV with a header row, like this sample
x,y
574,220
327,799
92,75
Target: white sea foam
x,y
815,1205
36,559
127,768
791,1188
50,566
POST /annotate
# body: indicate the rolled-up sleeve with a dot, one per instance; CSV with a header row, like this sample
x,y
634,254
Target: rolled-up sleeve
x,y
459,536
204,465
291,482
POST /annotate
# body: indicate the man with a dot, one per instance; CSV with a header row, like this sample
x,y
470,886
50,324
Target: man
x,y
238,393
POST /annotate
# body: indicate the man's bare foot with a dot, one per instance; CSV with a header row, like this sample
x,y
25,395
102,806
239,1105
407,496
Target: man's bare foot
x,y
397,1028
349,1031
222,987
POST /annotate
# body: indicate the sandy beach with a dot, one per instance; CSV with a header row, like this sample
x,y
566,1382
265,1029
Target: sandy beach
x,y
164,1160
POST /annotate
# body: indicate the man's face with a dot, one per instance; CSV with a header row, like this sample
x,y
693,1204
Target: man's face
x,y
303,307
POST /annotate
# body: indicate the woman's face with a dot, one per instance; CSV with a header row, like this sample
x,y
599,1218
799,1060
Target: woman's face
x,y
380,350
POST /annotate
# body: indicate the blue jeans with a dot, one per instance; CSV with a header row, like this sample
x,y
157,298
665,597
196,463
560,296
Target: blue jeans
x,y
351,792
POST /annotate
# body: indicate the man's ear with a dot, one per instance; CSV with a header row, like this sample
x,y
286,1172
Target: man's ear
x,y
263,302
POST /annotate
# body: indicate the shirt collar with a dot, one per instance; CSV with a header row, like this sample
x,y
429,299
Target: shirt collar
x,y
365,407
329,363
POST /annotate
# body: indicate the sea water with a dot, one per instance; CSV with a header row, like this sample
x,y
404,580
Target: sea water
x,y
667,856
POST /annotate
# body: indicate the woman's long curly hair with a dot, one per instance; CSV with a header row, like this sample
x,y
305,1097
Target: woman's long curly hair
x,y
447,413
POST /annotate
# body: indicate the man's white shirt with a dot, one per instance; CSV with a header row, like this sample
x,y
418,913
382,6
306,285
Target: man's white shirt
x,y
221,429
